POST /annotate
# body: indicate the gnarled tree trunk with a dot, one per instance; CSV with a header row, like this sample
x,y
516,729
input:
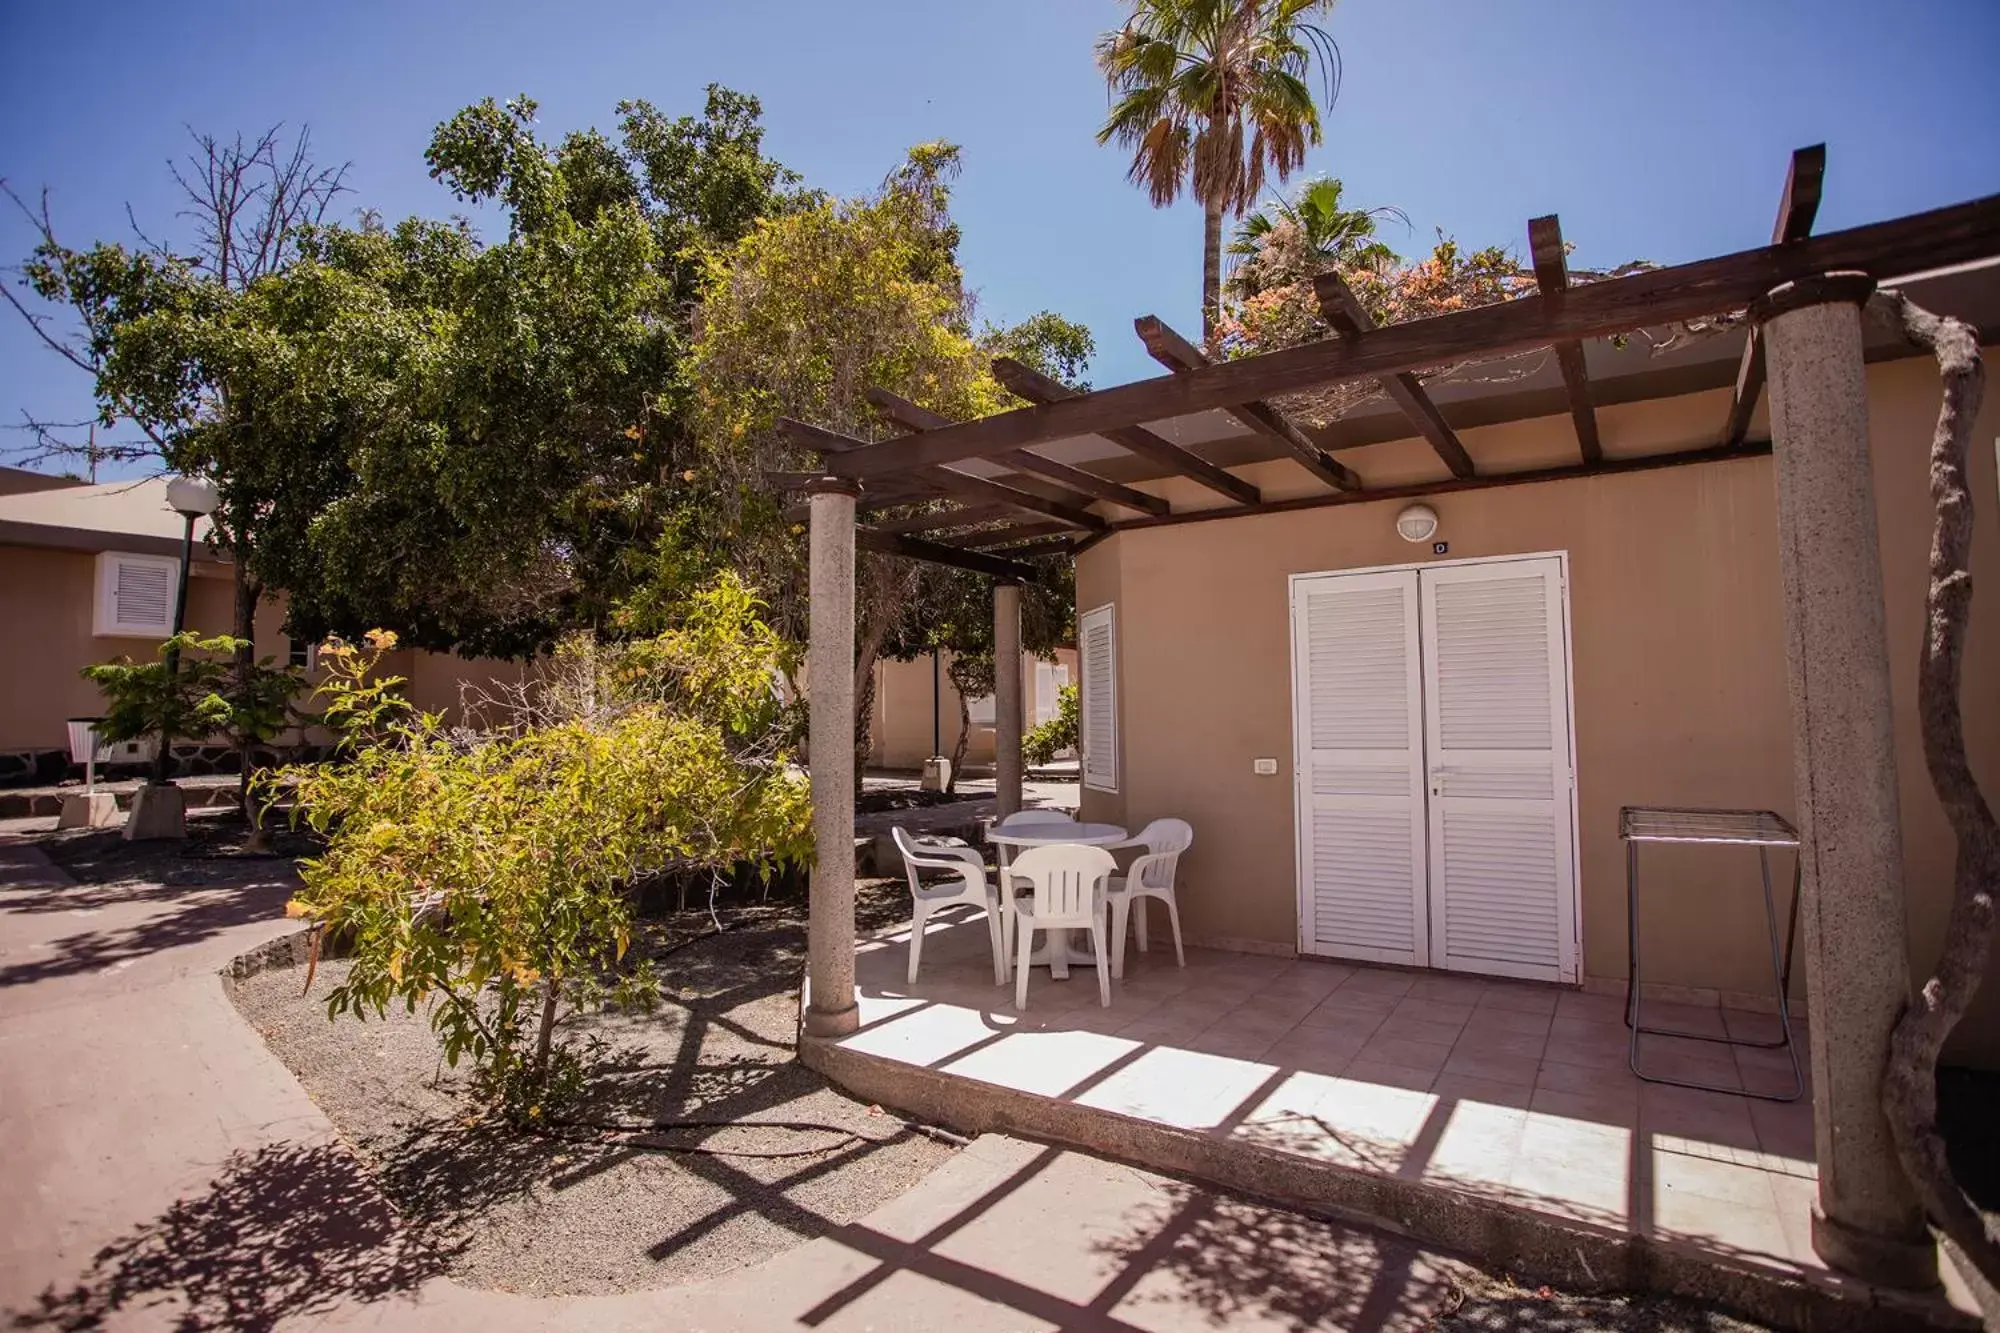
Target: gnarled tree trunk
x,y
248,593
1909,1087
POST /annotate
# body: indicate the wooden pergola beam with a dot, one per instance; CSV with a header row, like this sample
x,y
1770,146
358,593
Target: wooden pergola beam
x,y
1026,382
912,417
1804,182
1958,234
1545,246
986,538
964,516
934,553
915,492
1035,550
833,444
1179,355
1349,320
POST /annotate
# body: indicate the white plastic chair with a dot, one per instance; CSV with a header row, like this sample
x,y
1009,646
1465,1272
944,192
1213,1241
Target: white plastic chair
x,y
971,889
1069,894
1151,876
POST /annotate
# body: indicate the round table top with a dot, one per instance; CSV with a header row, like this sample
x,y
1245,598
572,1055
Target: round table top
x,y
1041,835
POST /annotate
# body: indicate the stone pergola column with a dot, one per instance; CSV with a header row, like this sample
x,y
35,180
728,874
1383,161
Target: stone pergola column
x,y
1867,1220
830,1007
1006,697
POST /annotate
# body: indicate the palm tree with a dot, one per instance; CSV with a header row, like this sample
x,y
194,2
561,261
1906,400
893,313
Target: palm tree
x,y
1210,95
1336,236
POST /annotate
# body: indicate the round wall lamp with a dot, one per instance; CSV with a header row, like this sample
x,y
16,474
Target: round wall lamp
x,y
1417,523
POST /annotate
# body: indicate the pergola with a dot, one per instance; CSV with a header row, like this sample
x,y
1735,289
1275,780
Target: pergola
x,y
1803,294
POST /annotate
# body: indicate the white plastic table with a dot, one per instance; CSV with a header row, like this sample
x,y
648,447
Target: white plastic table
x,y
1061,952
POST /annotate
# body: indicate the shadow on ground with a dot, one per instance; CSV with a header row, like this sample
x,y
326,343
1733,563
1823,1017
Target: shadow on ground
x,y
701,1144
144,920
282,1232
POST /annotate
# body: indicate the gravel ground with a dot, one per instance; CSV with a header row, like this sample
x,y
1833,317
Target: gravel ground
x,y
598,1214
213,852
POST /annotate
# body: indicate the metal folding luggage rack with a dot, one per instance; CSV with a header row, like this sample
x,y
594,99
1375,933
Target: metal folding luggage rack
x,y
1762,829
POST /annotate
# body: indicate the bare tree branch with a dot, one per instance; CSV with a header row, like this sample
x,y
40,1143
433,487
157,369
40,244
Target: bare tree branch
x,y
1909,1086
248,201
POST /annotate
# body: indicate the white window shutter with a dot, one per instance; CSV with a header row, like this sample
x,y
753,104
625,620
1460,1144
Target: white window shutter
x,y
1502,885
135,595
1098,650
1359,756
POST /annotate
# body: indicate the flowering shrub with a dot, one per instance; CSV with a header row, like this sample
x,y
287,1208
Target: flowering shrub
x,y
1275,306
491,876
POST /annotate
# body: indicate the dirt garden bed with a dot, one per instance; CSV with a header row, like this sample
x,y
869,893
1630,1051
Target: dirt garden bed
x,y
759,1155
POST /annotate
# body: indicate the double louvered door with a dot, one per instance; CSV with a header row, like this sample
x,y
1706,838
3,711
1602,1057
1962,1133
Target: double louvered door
x,y
1433,768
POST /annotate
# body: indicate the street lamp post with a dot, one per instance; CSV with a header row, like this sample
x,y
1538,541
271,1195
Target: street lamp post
x,y
193,499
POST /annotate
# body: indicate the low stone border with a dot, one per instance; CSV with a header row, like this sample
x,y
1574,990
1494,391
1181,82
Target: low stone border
x,y
1575,1256
47,804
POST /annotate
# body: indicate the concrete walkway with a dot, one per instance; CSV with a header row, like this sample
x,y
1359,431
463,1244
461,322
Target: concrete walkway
x,y
162,1169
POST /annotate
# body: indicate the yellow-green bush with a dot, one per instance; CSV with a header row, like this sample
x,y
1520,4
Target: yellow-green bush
x,y
492,878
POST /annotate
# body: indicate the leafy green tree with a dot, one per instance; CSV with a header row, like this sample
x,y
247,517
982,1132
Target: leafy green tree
x,y
798,319
1331,234
1210,97
957,619
1059,733
408,427
494,881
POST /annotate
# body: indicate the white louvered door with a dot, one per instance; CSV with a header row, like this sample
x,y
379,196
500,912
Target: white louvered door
x,y
1097,649
1502,880
1359,767
1433,770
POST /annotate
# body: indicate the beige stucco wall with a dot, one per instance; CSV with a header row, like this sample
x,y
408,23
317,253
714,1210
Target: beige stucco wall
x,y
46,600
901,723
1678,669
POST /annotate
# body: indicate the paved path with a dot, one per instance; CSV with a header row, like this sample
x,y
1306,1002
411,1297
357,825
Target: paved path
x,y
161,1169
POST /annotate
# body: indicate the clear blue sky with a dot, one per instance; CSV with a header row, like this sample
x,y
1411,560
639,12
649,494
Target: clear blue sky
x,y
1656,130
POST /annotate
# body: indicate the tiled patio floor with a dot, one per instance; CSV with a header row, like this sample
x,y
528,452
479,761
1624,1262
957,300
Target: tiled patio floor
x,y
1511,1091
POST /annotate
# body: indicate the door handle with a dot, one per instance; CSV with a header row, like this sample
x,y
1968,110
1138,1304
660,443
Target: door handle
x,y
1438,775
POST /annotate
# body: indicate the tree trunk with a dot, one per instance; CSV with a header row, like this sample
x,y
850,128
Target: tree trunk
x,y
248,593
1909,1085
1211,272
545,1037
866,653
958,746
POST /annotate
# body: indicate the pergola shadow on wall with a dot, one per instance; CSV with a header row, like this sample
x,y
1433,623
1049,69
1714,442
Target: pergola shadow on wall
x,y
986,494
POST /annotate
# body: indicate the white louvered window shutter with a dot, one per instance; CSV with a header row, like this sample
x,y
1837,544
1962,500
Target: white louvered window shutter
x,y
1502,881
1097,648
1359,767
135,595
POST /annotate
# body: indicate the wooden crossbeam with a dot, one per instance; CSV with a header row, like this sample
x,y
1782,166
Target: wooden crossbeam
x,y
1179,355
964,516
912,417
1939,238
913,548
1035,550
1545,245
911,493
1027,382
834,444
986,538
1349,320
1804,182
